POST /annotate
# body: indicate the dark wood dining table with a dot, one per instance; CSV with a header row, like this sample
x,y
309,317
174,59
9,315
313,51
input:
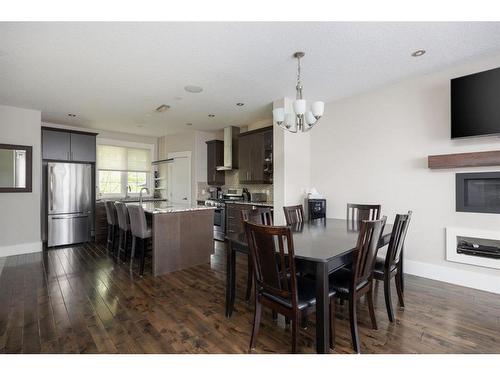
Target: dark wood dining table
x,y
321,247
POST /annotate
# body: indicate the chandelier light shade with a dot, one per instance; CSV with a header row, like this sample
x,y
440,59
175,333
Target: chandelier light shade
x,y
301,119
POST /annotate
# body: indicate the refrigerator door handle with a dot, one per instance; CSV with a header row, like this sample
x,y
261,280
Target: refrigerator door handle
x,y
51,189
65,217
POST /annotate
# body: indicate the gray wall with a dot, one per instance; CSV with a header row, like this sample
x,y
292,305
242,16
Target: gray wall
x,y
20,212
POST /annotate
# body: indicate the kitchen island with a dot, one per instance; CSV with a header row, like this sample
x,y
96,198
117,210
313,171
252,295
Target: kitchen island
x,y
182,235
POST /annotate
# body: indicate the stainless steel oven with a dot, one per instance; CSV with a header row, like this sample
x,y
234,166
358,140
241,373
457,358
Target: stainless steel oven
x,y
219,223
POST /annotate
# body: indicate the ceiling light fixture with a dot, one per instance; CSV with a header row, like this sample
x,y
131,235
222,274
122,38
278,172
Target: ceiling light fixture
x,y
418,53
300,119
240,104
211,115
193,89
162,108
189,124
71,115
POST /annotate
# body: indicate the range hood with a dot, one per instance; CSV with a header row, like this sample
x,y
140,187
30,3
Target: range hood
x,y
230,149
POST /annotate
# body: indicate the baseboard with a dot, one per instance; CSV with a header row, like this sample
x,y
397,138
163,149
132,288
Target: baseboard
x,y
23,248
488,283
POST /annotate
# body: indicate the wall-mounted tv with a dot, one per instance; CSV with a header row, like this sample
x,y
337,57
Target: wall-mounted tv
x,y
475,104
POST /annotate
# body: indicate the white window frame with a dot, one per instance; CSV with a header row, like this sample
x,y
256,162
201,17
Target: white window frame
x,y
119,143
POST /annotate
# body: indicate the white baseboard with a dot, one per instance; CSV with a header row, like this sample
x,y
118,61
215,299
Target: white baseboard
x,y
488,283
23,248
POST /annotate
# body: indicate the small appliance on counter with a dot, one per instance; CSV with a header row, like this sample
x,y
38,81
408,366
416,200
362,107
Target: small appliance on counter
x,y
258,197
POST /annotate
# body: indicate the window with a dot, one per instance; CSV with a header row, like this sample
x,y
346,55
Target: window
x,y
122,170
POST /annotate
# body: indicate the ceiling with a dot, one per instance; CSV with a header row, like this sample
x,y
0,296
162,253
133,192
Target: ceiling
x,y
113,75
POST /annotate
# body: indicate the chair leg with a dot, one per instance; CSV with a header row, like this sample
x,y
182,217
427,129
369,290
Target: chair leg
x,y
132,251
369,296
120,243
353,321
399,289
256,323
295,330
143,256
304,322
249,279
108,239
387,295
332,322
125,244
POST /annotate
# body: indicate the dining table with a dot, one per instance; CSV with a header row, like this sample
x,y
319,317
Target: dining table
x,y
321,247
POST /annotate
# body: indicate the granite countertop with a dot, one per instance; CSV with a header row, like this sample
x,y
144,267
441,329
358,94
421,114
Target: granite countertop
x,y
263,204
132,200
163,207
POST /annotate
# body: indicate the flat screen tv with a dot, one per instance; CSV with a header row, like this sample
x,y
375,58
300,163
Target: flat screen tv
x,y
475,104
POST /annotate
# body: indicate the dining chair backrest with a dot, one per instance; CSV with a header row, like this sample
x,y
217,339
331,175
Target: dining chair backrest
x,y
259,215
272,254
122,215
138,223
398,235
365,254
110,213
359,212
294,214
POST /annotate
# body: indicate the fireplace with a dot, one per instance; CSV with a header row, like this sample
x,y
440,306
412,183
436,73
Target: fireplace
x,y
478,192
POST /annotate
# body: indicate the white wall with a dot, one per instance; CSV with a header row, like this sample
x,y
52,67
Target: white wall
x,y
373,148
20,212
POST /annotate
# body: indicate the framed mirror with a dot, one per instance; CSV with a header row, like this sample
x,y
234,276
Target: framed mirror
x,y
15,168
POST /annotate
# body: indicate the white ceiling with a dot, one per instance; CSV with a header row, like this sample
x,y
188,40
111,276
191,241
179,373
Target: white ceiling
x,y
113,75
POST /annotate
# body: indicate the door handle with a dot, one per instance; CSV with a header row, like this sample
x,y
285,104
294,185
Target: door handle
x,y
51,188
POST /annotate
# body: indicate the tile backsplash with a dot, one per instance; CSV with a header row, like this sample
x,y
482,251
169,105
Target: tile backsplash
x,y
232,181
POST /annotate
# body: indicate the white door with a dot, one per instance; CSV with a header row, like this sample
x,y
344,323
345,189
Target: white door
x,y
179,180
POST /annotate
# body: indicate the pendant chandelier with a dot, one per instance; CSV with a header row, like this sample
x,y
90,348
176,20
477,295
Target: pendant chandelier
x,y
301,119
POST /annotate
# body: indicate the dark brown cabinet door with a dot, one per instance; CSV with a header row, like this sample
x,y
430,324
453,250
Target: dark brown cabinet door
x,y
244,158
83,147
215,157
255,157
56,145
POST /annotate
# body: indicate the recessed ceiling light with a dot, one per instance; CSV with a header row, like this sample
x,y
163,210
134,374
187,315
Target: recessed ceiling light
x,y
418,53
162,108
211,115
193,89
189,124
140,125
240,104
71,115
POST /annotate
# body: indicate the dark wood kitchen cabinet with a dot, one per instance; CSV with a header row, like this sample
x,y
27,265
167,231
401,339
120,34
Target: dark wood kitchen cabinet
x,y
68,145
215,157
256,156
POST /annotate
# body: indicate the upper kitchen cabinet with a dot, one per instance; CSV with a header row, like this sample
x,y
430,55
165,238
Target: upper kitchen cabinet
x,y
83,147
256,156
66,145
215,158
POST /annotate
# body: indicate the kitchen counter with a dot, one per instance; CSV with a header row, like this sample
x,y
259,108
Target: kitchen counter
x,y
262,204
131,200
163,207
183,235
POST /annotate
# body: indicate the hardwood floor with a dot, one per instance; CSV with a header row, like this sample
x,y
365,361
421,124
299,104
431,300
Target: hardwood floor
x,y
78,300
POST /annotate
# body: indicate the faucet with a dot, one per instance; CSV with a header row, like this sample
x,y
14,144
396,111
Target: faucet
x,y
127,190
140,194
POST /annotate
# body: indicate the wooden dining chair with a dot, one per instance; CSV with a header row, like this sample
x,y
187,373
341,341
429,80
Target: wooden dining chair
x,y
294,214
258,215
392,265
359,212
351,284
276,284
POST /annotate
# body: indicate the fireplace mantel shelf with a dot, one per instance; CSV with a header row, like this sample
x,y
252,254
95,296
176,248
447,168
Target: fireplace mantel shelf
x,y
469,159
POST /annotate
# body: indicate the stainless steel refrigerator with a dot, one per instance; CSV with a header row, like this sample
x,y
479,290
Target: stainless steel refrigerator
x,y
69,203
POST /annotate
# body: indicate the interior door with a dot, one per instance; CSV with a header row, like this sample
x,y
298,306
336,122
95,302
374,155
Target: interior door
x,y
179,177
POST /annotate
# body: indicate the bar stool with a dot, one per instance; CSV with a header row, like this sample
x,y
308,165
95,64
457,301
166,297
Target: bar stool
x,y
112,225
140,233
124,228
